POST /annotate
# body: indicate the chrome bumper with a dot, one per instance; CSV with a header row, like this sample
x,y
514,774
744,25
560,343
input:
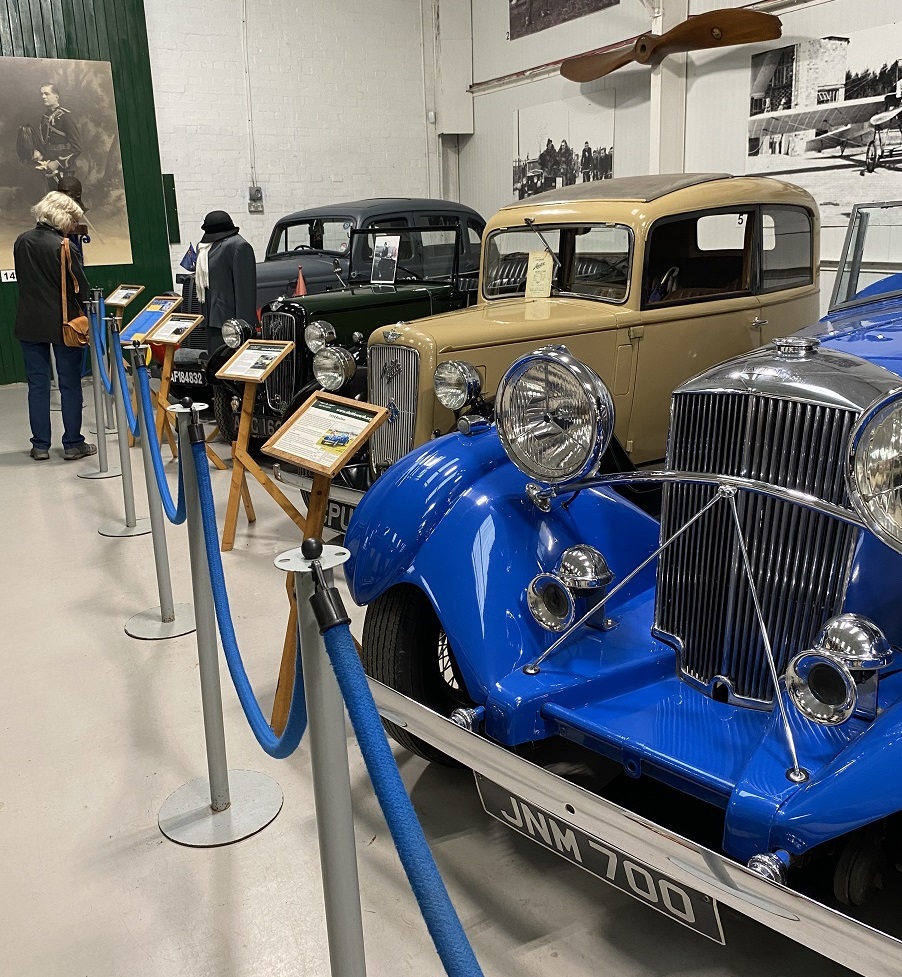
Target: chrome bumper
x,y
863,949
338,493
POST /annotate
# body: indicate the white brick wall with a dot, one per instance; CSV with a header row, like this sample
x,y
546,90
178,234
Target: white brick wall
x,y
337,99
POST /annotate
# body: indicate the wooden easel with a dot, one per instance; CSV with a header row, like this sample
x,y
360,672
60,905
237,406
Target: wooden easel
x,y
243,463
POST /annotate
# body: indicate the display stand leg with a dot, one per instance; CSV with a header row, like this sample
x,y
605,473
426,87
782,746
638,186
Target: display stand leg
x,y
133,526
229,805
212,457
104,470
168,620
161,402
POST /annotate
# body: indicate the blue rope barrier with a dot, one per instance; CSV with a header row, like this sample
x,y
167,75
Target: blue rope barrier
x,y
133,425
174,513
101,322
435,904
276,746
99,355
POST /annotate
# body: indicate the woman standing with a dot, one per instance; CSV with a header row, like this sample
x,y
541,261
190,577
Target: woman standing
x,y
39,323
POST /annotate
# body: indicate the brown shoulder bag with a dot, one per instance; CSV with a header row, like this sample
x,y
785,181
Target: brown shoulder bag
x,y
76,331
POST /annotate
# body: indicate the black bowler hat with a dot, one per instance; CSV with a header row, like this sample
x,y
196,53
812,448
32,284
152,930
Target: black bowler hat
x,y
217,225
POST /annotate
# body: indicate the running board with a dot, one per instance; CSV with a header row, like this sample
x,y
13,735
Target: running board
x,y
832,934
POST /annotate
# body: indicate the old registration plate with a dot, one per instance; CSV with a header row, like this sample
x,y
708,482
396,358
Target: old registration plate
x,y
687,906
193,377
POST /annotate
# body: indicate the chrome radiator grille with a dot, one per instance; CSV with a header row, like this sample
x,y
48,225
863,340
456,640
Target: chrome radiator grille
x,y
800,558
394,382
281,384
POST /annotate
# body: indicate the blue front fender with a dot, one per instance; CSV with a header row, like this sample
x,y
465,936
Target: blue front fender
x,y
452,518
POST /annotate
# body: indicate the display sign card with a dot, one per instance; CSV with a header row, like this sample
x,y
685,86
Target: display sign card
x,y
153,314
256,359
325,432
539,275
123,294
385,259
174,330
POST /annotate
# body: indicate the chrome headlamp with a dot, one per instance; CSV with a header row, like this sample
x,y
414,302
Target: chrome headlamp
x,y
555,416
874,469
235,332
333,367
838,677
318,335
456,384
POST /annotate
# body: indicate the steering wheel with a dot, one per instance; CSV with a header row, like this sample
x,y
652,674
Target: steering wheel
x,y
665,284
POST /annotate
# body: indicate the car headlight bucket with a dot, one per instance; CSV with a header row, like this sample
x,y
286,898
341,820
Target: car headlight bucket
x,y
550,602
333,367
821,687
874,469
235,332
555,416
456,384
318,335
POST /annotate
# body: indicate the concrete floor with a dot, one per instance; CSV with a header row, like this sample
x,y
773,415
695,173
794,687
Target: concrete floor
x,y
98,729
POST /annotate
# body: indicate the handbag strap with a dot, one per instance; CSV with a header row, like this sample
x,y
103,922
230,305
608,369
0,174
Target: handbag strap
x,y
66,263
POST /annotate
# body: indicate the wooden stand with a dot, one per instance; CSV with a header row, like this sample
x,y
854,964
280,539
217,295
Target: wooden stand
x,y
243,463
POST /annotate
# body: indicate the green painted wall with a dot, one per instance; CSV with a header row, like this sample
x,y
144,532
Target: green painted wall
x,y
99,30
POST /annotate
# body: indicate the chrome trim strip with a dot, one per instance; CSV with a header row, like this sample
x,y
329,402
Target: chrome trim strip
x,y
337,493
865,950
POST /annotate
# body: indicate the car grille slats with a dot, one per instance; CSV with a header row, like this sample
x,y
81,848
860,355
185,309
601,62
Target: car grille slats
x,y
799,558
394,382
281,384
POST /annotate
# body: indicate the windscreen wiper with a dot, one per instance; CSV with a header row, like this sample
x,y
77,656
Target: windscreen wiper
x,y
530,222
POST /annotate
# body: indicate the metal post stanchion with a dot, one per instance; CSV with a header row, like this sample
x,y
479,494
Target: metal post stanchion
x,y
229,805
169,620
133,526
331,777
104,470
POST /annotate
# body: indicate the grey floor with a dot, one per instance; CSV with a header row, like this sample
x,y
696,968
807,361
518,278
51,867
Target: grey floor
x,y
98,729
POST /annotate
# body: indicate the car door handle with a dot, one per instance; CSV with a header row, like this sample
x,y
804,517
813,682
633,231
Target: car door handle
x,y
758,322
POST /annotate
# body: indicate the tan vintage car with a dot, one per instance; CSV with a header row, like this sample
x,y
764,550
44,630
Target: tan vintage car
x,y
649,280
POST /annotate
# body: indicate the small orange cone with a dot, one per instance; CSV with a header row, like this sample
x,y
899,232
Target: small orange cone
x,y
300,287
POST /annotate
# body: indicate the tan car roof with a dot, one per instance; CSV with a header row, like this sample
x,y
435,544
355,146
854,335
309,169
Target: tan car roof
x,y
640,188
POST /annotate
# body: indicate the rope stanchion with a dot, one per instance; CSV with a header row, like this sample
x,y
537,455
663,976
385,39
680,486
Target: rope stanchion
x,y
175,512
119,361
97,383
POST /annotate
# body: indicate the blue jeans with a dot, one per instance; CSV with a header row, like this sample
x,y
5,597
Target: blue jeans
x,y
68,374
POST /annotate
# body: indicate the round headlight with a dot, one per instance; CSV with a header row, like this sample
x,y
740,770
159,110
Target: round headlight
x,y
456,384
874,471
318,335
235,332
333,367
555,416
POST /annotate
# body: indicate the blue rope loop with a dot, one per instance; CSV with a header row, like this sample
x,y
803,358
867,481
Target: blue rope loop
x,y
175,513
100,353
133,425
276,746
438,911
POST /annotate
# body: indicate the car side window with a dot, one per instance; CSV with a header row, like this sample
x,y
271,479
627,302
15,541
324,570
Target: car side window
x,y
699,258
786,248
474,233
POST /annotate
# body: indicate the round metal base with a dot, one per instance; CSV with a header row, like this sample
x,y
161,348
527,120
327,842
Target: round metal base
x,y
116,528
186,817
109,473
150,626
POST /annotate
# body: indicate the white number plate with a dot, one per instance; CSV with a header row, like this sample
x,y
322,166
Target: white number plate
x,y
193,377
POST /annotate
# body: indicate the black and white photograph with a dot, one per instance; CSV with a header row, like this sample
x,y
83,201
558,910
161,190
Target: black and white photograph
x,y
558,149
532,16
58,130
385,259
827,114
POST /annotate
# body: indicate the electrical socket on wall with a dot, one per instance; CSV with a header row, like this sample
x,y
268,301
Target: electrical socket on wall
x,y
255,200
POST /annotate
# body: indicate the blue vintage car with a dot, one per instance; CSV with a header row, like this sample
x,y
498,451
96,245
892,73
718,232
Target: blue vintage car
x,y
714,645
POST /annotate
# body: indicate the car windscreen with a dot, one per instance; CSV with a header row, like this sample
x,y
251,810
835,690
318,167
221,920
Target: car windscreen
x,y
312,234
870,264
593,260
392,255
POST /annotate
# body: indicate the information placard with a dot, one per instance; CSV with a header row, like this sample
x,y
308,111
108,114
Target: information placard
x,y
157,310
174,330
123,294
325,432
256,359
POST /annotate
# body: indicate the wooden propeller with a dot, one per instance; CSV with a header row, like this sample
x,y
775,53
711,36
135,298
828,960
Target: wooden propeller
x,y
717,28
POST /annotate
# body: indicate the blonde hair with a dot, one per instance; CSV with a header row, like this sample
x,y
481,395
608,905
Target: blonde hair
x,y
59,211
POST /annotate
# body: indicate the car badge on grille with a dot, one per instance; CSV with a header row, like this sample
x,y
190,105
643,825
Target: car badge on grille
x,y
390,370
393,412
391,335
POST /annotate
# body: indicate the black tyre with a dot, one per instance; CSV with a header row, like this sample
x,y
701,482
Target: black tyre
x,y
405,648
223,413
870,157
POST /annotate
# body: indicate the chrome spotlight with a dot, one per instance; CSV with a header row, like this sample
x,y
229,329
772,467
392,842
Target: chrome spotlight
x,y
585,573
550,602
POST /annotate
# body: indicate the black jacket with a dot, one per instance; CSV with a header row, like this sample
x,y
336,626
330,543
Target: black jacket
x,y
39,317
232,292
